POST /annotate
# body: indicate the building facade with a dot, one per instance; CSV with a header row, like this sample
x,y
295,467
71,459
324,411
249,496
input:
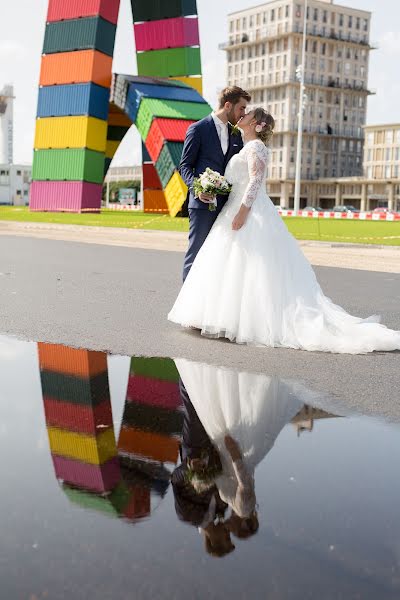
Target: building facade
x,y
14,184
263,53
382,151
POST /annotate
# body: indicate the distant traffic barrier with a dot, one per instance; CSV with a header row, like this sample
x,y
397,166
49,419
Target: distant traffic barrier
x,y
360,216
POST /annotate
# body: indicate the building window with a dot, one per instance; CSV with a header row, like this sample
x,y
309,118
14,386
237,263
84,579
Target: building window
x,y
19,173
341,20
231,26
287,10
388,171
325,16
358,23
389,137
273,14
365,24
315,14
350,21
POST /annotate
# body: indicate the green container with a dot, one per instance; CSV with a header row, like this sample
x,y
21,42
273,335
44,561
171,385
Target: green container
x,y
155,10
80,34
70,164
90,501
168,161
169,109
172,62
156,368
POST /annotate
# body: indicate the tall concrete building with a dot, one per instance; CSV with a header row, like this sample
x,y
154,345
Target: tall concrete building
x,y
6,124
263,53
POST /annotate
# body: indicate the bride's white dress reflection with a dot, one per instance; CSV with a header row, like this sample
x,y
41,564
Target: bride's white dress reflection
x,y
243,414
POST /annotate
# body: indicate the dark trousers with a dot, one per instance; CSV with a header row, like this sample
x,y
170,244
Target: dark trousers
x,y
200,223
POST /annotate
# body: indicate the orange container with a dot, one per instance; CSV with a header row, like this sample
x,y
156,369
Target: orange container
x,y
81,363
76,67
154,201
150,445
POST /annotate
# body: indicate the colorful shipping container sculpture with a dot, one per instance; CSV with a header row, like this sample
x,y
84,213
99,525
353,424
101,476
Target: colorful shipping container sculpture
x,y
125,479
84,112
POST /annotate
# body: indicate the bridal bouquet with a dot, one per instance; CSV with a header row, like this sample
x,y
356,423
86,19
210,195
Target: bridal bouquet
x,y
212,183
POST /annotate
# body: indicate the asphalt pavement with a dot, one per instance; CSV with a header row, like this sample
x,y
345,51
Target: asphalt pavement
x,y
116,299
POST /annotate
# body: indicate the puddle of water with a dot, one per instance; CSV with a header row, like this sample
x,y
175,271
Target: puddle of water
x,y
159,478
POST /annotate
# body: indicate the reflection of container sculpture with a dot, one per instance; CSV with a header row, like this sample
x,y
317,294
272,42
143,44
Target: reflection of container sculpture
x,y
79,126
77,405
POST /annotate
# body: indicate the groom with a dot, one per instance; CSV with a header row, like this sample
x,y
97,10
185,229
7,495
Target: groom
x,y
210,143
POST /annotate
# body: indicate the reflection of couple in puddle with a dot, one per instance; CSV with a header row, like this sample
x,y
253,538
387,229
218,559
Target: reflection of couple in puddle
x,y
231,421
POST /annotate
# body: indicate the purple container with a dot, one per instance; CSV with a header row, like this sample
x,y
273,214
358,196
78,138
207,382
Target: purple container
x,y
94,478
168,33
65,196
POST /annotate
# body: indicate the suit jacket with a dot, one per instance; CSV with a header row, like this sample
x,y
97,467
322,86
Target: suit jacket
x,y
190,505
202,149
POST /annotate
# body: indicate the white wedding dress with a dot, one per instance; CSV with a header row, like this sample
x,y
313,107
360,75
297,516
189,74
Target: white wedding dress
x,y
251,408
256,286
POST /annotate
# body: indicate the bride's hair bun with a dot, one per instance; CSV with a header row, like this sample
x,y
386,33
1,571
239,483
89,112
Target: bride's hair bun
x,y
265,124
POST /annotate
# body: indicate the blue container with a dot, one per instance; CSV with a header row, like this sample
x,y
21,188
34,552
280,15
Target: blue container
x,y
168,92
145,155
73,100
132,103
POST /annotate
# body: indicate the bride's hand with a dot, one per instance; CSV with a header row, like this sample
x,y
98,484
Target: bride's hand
x,y
240,218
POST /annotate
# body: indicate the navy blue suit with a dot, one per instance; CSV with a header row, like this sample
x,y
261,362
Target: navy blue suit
x,y
202,149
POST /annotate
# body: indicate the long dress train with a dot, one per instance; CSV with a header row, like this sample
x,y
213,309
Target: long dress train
x,y
256,286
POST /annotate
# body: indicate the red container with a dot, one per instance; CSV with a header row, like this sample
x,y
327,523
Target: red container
x,y
65,196
151,179
59,10
94,478
154,392
78,417
165,130
139,503
168,33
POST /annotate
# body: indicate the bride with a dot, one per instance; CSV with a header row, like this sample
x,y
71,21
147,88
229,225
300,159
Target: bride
x,y
251,283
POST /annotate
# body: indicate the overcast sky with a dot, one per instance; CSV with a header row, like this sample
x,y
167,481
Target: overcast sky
x,y
21,38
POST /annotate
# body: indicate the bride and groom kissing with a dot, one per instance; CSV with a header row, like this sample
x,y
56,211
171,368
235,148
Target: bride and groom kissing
x,y
245,278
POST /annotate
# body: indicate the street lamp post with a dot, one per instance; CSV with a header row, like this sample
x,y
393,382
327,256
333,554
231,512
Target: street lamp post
x,y
300,74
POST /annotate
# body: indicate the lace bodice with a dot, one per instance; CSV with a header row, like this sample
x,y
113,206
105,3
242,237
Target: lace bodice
x,y
248,170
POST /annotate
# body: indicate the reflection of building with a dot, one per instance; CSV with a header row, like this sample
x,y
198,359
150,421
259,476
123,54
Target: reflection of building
x,y
14,184
263,52
304,420
125,478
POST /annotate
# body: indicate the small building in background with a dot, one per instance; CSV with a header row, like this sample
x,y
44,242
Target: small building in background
x,y
382,151
14,184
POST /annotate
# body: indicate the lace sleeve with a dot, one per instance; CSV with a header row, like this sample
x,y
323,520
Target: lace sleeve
x,y
257,156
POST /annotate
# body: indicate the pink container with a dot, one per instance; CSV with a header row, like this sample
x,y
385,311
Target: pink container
x,y
65,196
60,10
168,33
153,392
93,478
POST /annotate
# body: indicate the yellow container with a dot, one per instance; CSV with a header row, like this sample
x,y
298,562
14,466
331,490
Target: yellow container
x,y
194,82
71,132
175,194
89,449
111,148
